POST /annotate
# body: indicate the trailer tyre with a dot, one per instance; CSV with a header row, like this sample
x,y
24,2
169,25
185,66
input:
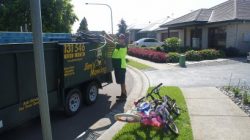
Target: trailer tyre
x,y
73,102
91,93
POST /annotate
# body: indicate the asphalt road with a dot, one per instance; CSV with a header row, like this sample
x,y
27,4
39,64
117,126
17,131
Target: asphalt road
x,y
205,75
64,128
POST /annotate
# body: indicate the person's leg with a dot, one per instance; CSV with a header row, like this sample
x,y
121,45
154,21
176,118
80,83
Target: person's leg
x,y
123,89
122,83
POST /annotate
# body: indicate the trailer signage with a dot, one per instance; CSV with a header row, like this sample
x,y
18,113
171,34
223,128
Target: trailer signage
x,y
74,51
94,70
28,104
69,71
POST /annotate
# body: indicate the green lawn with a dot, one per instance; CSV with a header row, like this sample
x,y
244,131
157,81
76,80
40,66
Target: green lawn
x,y
137,65
135,131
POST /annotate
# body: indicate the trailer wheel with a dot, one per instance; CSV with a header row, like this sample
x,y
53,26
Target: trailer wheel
x,y
73,102
91,93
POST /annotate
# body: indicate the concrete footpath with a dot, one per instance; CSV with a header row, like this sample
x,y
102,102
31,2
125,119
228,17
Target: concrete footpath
x,y
214,116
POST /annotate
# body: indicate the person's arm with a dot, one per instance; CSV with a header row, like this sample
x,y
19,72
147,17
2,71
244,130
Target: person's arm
x,y
109,39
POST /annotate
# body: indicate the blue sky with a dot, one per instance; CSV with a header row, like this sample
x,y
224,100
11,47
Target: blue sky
x,y
134,11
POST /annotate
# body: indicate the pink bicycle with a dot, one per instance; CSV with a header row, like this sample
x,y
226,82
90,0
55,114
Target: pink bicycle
x,y
152,113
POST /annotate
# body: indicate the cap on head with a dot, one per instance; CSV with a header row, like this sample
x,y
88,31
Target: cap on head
x,y
122,36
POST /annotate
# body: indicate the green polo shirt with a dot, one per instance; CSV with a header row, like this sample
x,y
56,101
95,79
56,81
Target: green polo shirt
x,y
119,57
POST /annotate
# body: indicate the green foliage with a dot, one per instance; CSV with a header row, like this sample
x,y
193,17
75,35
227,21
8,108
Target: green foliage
x,y
193,55
172,44
246,98
207,54
186,48
173,57
136,131
122,27
57,15
83,25
159,49
236,91
228,88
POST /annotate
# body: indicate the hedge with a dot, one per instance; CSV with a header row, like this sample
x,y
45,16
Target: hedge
x,y
207,54
173,57
147,54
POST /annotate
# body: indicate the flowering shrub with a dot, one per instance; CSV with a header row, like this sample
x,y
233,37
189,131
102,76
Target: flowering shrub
x,y
207,54
193,55
173,57
147,54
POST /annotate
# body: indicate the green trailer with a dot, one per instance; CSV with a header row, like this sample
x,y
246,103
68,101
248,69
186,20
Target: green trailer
x,y
74,73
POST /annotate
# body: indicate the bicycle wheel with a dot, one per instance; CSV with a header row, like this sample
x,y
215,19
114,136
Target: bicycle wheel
x,y
130,118
172,126
176,110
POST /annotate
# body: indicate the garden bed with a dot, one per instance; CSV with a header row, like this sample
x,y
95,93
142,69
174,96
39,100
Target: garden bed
x,y
173,57
240,95
147,54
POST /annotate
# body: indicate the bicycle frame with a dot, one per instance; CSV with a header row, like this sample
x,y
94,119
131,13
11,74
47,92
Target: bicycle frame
x,y
155,113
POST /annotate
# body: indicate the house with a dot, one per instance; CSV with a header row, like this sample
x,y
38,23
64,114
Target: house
x,y
133,32
222,26
149,30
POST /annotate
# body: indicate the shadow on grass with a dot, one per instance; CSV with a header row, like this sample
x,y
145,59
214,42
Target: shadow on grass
x,y
142,132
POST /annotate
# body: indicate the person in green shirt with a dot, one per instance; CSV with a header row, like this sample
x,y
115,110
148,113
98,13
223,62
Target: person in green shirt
x,y
119,63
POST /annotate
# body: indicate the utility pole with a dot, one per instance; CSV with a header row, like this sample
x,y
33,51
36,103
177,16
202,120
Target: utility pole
x,y
40,68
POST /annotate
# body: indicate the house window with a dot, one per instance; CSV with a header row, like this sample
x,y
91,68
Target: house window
x,y
217,37
196,38
164,36
174,34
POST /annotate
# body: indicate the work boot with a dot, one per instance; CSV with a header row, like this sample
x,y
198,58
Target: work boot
x,y
122,97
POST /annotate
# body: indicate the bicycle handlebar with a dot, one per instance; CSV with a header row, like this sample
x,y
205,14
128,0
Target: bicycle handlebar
x,y
150,94
155,88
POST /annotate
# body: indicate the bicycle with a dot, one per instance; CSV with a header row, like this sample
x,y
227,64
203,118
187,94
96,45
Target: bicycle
x,y
171,103
152,113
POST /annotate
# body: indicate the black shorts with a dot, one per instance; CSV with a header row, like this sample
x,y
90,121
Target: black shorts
x,y
120,76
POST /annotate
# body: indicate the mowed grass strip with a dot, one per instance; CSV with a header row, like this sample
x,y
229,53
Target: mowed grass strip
x,y
137,65
136,131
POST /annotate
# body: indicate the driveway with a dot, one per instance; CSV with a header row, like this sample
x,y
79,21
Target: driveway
x,y
205,75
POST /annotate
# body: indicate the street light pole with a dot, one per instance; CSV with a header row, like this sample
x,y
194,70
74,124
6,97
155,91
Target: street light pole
x,y
110,12
35,8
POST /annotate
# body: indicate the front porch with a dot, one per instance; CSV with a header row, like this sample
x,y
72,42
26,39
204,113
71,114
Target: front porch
x,y
200,37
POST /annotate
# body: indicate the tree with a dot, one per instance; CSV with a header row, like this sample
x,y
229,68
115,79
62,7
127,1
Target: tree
x,y
57,15
122,27
83,25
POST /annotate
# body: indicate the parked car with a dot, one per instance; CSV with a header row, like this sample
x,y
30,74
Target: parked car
x,y
148,42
